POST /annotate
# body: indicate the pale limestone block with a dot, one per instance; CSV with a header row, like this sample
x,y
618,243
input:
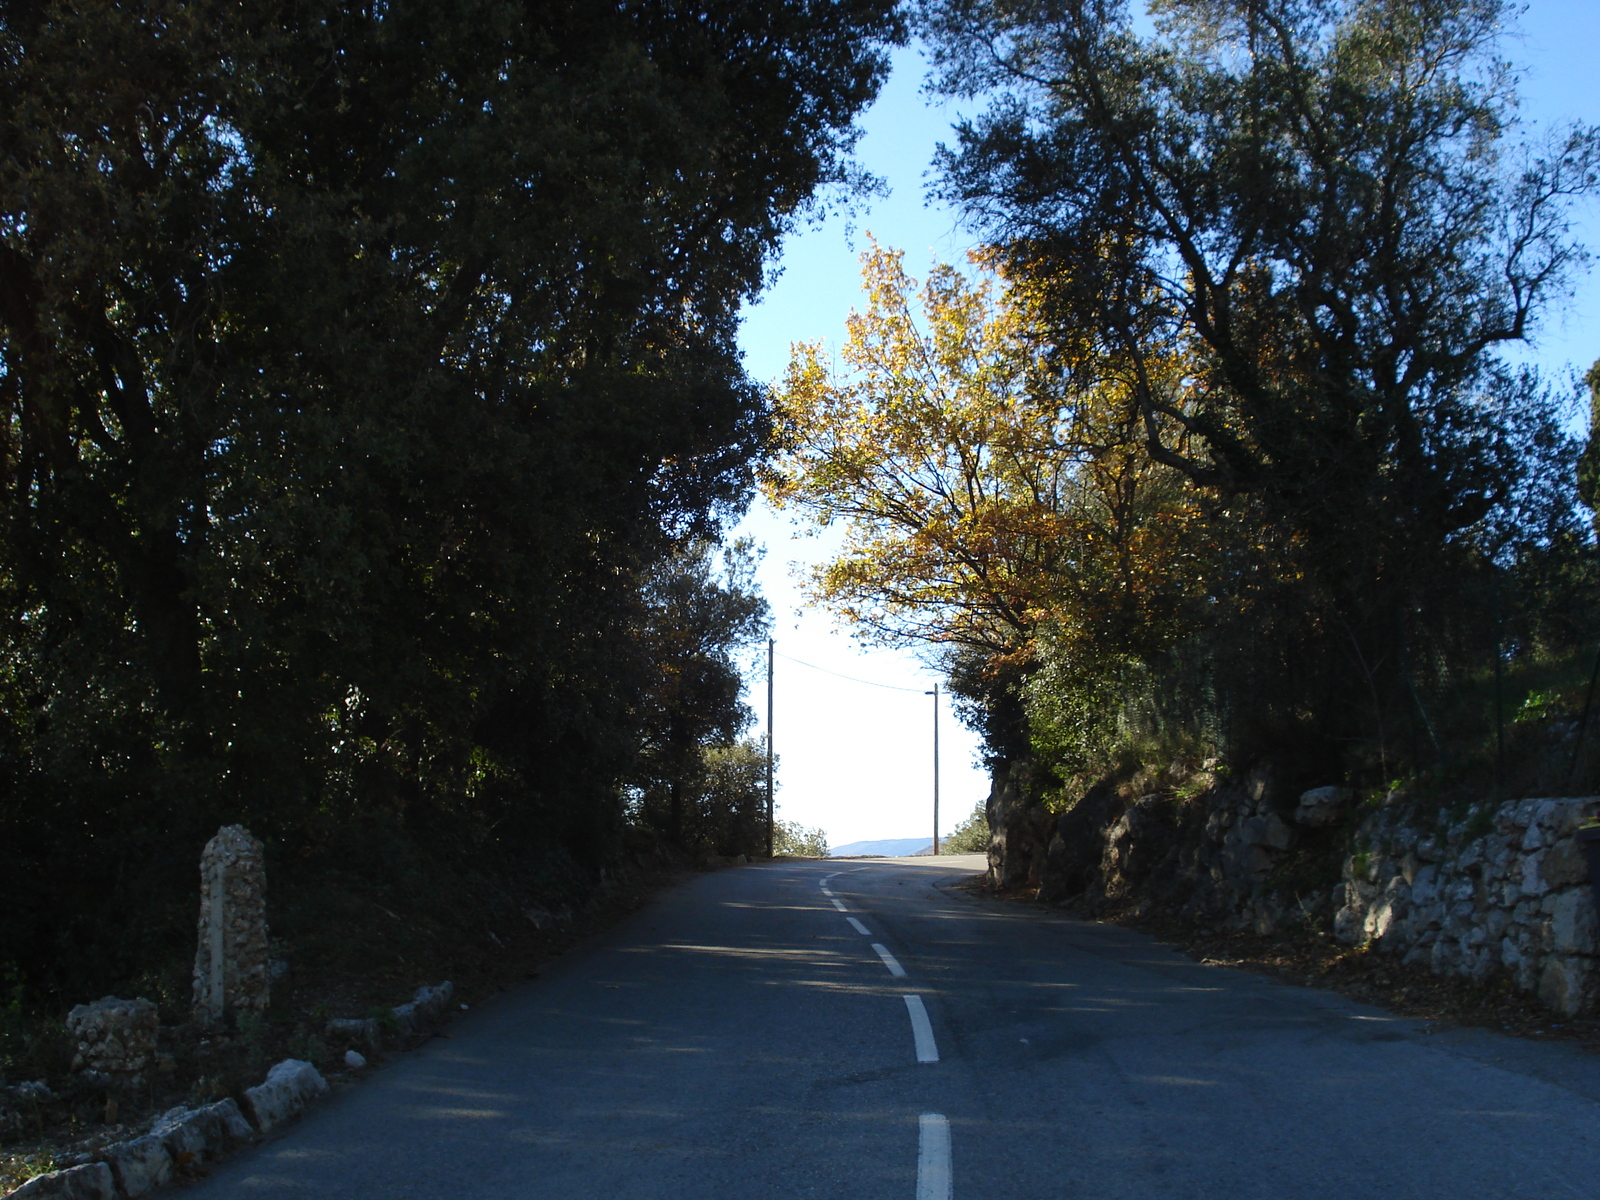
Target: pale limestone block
x,y
288,1089
1567,984
1572,923
141,1165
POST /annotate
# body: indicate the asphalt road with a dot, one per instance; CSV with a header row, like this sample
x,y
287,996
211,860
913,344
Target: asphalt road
x,y
750,1036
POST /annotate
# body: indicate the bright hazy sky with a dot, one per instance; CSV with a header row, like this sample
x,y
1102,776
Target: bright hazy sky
x,y
856,759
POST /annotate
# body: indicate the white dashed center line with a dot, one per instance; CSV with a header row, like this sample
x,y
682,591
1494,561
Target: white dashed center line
x,y
933,1157
922,1030
889,960
934,1181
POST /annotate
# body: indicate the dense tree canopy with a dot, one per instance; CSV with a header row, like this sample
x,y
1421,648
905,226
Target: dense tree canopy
x,y
1221,450
358,365
1312,197
1322,210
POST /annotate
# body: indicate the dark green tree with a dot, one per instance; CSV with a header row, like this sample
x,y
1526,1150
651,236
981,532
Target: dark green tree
x,y
699,615
971,836
1323,206
358,364
799,841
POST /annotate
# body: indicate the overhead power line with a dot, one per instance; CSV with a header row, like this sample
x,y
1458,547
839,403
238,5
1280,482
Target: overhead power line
x,y
866,682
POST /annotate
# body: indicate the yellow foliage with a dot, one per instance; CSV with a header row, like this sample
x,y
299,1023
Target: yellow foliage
x,y
979,495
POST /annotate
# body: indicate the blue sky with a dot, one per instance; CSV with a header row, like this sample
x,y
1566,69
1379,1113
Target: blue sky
x,y
856,759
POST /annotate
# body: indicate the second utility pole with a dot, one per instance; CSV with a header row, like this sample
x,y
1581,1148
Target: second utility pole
x,y
935,695
769,748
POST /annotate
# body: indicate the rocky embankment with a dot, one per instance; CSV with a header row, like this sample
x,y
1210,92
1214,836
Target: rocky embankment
x,y
1479,892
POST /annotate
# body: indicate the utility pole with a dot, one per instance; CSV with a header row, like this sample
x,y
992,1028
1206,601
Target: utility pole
x,y
769,748
935,695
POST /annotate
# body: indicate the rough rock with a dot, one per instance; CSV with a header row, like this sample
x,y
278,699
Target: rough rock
x,y
116,1038
433,1002
358,1031
288,1089
1495,889
1564,864
21,1101
225,1125
231,970
1267,829
92,1181
1566,984
18,1094
1020,828
141,1165
1349,925
1074,849
1137,844
1322,806
354,1060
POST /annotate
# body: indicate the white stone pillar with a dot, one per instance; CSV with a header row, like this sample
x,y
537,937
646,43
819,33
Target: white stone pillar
x,y
230,962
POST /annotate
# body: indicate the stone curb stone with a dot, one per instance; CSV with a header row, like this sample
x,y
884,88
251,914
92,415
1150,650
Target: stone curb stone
x,y
181,1135
202,1132
289,1087
224,1125
92,1181
427,1007
141,1165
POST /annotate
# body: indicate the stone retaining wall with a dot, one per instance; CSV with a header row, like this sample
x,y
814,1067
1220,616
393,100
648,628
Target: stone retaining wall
x,y
1501,890
1492,889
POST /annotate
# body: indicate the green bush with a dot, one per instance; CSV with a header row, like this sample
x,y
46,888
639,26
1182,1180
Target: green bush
x,y
795,840
972,835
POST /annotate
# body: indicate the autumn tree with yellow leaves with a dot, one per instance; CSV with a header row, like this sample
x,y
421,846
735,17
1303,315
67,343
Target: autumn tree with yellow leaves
x,y
982,501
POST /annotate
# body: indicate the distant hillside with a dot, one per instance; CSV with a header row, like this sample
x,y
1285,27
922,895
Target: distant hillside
x,y
888,847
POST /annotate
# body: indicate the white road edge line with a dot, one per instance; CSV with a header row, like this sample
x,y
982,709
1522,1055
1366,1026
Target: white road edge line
x,y
860,928
933,1157
922,1030
837,904
895,968
827,891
